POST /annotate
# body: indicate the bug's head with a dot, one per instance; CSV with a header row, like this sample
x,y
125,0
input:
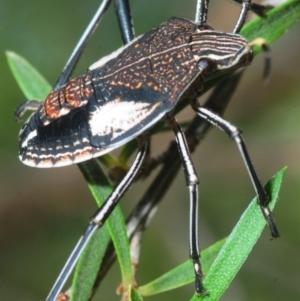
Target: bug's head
x,y
218,52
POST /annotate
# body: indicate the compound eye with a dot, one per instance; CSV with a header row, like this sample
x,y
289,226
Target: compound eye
x,y
207,65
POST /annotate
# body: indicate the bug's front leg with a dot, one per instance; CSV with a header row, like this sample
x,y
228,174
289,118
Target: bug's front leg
x,y
123,13
258,9
99,218
192,182
28,105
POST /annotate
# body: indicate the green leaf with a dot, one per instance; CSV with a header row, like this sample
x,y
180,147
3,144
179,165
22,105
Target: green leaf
x,y
182,274
32,83
274,25
90,260
239,244
223,259
88,265
135,296
108,160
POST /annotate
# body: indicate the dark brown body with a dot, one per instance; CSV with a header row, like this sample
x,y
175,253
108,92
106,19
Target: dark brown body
x,y
117,101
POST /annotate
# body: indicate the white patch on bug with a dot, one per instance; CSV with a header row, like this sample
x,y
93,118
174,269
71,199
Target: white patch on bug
x,y
30,136
64,111
116,118
76,142
85,140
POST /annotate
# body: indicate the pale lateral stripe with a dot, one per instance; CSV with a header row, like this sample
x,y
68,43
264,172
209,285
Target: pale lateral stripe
x,y
112,55
158,54
30,136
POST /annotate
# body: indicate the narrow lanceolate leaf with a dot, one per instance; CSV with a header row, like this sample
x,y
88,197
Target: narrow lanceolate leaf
x,y
89,263
239,244
32,83
222,260
90,260
182,274
135,296
274,25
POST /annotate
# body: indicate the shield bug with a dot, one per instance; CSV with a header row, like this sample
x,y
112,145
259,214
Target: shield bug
x,y
123,95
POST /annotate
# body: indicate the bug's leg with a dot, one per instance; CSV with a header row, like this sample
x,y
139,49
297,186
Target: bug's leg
x,y
201,12
32,105
75,55
146,208
126,31
122,9
235,133
98,219
258,9
246,4
192,182
28,105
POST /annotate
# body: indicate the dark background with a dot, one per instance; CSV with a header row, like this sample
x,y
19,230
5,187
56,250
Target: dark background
x,y
43,212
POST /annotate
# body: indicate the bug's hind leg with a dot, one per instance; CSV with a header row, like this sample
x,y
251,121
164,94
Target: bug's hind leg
x,y
192,182
142,214
235,133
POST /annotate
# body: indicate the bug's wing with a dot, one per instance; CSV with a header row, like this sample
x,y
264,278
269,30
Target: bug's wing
x,y
127,114
92,130
62,142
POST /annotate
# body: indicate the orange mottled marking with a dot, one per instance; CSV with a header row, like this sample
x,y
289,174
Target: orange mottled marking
x,y
52,105
87,153
46,161
73,92
87,86
63,158
61,101
138,85
62,97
